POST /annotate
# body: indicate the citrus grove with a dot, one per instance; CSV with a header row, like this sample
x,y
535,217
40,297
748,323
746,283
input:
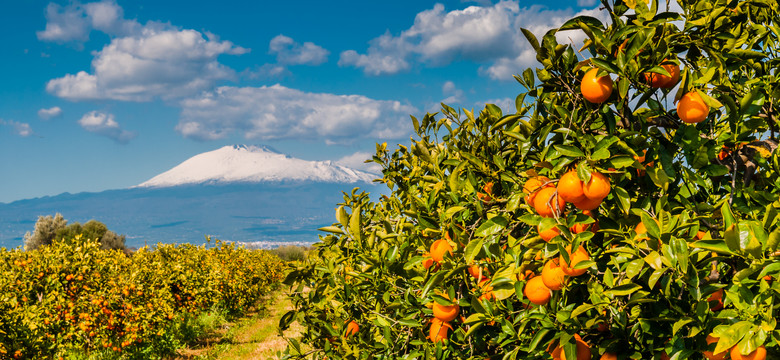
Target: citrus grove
x,y
601,220
72,298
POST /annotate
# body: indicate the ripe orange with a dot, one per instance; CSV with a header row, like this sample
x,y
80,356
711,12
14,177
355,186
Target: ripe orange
x,y
758,354
552,275
528,274
579,255
709,355
691,109
641,159
717,299
609,356
438,330
588,204
596,90
536,291
547,202
583,350
641,232
439,248
445,313
352,328
662,81
478,272
531,187
428,261
570,187
487,290
723,153
548,234
598,187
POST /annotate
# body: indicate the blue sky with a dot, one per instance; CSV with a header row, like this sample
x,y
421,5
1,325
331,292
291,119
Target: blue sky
x,y
107,94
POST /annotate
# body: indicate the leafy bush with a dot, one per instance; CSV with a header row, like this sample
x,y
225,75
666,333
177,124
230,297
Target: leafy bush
x,y
664,240
290,252
48,228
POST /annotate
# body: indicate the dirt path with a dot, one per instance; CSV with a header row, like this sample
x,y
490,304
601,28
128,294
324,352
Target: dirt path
x,y
254,337
259,338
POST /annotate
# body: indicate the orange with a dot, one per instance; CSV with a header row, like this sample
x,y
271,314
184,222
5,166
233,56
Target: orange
x,y
641,159
598,187
427,261
691,109
580,255
583,350
528,274
641,232
709,355
548,234
665,356
531,187
758,354
723,153
445,313
588,204
478,272
570,187
609,356
552,275
439,248
596,90
487,290
717,299
547,202
438,330
662,81
352,328
536,291
700,235
580,227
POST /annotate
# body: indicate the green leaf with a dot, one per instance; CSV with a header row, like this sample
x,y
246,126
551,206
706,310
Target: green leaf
x,y
472,249
716,245
332,229
568,150
621,161
773,240
492,226
531,38
623,290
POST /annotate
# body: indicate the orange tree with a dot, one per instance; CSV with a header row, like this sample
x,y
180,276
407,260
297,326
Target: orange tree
x,y
662,237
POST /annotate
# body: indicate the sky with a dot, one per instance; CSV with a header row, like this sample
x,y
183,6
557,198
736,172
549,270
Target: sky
x,y
107,94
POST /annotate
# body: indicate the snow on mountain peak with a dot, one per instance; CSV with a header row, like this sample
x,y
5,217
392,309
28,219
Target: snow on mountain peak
x,y
248,163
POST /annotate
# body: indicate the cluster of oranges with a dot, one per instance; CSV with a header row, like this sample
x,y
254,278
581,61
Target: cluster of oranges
x,y
691,108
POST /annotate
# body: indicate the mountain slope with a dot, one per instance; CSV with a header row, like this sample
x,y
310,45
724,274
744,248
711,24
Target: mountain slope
x,y
253,164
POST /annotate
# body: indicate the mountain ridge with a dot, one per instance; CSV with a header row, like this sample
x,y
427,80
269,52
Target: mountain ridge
x,y
253,164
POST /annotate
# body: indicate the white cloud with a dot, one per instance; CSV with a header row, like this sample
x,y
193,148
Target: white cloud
x,y
454,95
104,124
74,22
165,63
50,113
357,161
507,105
586,3
278,112
289,52
488,34
20,128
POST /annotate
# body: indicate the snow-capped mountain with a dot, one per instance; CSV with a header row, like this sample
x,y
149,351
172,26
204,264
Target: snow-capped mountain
x,y
253,164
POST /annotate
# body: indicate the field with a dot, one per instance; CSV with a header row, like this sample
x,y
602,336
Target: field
x,y
74,300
